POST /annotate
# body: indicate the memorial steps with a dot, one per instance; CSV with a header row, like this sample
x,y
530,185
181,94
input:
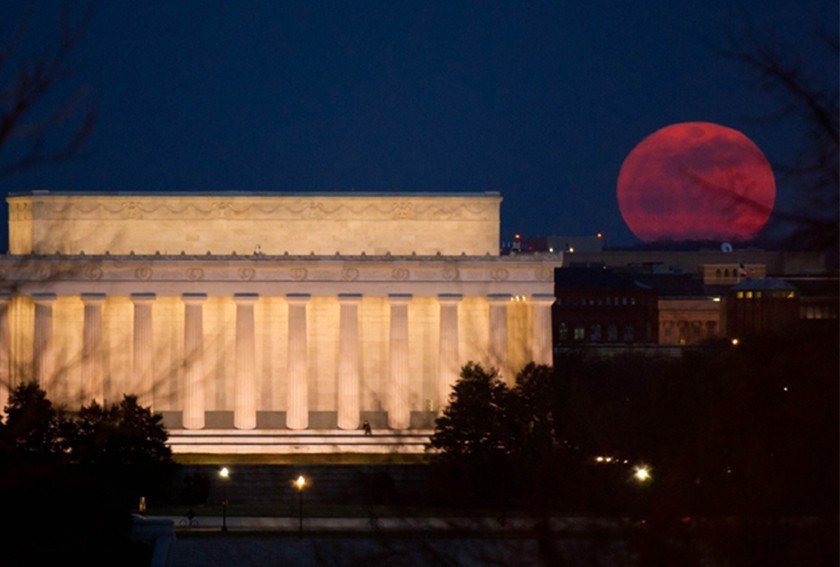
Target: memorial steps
x,y
285,441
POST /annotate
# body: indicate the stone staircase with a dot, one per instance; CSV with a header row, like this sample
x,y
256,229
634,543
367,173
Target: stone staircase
x,y
285,441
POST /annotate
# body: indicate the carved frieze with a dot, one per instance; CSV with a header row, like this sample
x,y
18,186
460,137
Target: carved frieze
x,y
268,208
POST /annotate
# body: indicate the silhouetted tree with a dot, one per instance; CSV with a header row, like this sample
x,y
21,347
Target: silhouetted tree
x,y
476,423
123,434
33,428
473,437
71,482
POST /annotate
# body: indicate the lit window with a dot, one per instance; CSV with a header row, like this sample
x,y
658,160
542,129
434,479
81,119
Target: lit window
x,y
580,332
740,295
562,332
749,295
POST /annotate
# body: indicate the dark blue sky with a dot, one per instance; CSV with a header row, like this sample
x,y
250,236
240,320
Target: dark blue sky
x,y
541,101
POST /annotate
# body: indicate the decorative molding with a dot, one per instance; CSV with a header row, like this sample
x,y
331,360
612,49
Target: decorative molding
x,y
43,273
93,273
543,274
174,268
195,274
20,211
143,273
247,273
269,208
499,274
451,274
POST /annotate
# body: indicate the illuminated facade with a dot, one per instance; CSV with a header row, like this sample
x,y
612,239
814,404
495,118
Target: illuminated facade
x,y
259,322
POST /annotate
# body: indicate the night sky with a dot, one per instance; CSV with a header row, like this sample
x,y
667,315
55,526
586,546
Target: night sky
x,y
541,101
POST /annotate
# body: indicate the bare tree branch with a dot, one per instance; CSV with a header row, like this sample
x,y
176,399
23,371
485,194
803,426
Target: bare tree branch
x,y
30,134
811,97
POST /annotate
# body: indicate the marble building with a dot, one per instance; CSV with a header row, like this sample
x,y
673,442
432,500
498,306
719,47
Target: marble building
x,y
256,322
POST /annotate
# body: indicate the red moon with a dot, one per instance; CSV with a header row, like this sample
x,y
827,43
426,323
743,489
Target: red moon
x,y
696,181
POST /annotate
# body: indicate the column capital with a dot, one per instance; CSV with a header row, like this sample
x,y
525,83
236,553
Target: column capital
x,y
449,297
297,297
399,298
43,298
499,298
143,297
246,298
93,298
194,298
349,298
543,299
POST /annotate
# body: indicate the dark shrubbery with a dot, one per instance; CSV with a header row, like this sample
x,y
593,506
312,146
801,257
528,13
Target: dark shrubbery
x,y
70,482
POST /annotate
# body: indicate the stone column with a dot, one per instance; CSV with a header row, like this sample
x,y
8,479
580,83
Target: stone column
x,y
498,332
93,385
245,390
194,402
43,359
297,370
399,415
449,360
5,370
541,342
348,361
143,349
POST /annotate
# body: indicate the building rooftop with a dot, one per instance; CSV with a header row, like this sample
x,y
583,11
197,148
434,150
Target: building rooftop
x,y
593,278
313,194
762,284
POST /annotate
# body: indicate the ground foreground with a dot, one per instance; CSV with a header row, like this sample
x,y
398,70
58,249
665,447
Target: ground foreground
x,y
501,541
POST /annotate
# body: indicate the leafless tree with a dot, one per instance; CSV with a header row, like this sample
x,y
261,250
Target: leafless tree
x,y
44,116
809,95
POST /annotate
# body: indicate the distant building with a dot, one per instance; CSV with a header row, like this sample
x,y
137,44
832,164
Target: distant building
x,y
553,244
818,298
766,304
690,311
595,306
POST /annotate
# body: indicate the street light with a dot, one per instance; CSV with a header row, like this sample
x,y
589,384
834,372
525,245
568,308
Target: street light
x,y
642,474
224,474
299,484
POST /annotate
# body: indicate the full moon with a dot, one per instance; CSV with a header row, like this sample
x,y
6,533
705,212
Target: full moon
x,y
696,181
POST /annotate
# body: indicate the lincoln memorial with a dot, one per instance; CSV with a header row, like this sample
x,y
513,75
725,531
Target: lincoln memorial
x,y
267,322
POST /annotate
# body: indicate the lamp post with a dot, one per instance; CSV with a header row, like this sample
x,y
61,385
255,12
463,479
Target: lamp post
x,y
224,474
299,484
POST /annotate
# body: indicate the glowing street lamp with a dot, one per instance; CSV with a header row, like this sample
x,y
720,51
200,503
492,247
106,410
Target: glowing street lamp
x,y
642,474
224,474
300,483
